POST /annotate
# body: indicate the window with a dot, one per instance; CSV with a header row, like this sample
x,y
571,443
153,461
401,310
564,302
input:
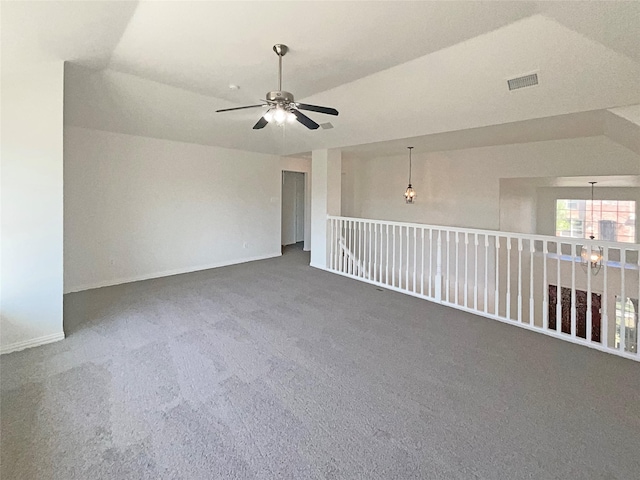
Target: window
x,y
613,220
630,323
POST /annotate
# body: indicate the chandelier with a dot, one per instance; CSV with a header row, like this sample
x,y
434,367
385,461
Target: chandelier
x,y
409,193
591,255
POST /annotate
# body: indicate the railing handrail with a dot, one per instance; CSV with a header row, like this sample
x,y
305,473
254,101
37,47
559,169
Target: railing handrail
x,y
498,233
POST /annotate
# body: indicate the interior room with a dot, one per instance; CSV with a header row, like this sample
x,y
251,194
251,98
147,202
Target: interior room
x,y
319,239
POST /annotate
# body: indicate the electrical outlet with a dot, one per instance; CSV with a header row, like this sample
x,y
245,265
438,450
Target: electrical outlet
x,y
245,245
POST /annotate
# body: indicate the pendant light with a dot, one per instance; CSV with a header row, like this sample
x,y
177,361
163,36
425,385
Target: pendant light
x,y
409,193
591,255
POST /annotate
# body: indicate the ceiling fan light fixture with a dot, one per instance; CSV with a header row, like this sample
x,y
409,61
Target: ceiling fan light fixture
x,y
282,106
280,115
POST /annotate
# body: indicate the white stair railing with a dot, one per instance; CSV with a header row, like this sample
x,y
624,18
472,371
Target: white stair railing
x,y
356,264
533,281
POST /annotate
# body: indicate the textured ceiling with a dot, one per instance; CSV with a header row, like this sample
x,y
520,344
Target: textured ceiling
x,y
393,69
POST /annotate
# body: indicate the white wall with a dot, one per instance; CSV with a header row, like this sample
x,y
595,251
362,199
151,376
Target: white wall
x,y
138,207
31,199
462,187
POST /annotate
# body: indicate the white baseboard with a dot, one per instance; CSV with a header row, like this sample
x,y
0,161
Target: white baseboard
x,y
167,273
34,342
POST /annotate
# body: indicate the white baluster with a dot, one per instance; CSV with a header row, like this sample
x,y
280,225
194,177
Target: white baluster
x,y
466,268
475,270
457,266
415,257
486,273
338,246
370,243
558,292
574,325
362,257
532,248
406,281
637,340
393,250
589,327
520,280
623,300
355,254
422,260
362,254
508,299
496,298
438,278
604,316
431,272
374,253
386,267
545,286
332,235
347,243
448,280
377,263
343,258
356,249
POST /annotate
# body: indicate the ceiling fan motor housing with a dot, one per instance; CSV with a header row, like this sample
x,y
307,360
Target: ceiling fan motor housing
x,y
280,97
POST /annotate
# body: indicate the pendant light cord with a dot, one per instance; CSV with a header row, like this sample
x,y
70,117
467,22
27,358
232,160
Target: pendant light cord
x,y
410,148
592,226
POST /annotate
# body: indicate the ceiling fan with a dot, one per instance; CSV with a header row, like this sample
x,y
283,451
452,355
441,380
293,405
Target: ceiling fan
x,y
282,107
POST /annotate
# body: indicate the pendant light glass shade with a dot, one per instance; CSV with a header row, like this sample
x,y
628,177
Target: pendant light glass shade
x,y
409,193
279,116
591,256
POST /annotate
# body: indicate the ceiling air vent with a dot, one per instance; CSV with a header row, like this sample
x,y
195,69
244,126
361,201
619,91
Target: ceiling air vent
x,y
326,126
523,82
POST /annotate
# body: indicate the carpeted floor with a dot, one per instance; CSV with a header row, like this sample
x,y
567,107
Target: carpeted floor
x,y
275,370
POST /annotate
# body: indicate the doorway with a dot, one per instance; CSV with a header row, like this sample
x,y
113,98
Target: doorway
x,y
293,194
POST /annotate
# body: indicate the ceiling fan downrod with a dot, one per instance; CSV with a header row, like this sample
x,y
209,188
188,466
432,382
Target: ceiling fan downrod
x,y
281,50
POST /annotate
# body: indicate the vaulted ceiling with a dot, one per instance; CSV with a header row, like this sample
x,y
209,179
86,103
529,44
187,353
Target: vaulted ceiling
x,y
393,69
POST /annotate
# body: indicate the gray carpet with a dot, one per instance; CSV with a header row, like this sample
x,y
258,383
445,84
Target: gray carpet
x,y
275,370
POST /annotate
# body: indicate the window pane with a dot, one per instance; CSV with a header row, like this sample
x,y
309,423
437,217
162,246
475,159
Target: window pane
x,y
612,220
